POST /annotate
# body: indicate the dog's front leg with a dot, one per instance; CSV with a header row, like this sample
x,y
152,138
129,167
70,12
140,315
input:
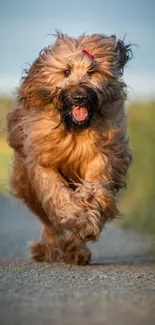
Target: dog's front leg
x,y
55,196
98,201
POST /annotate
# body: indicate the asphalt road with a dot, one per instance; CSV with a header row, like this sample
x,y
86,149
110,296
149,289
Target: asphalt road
x,y
118,287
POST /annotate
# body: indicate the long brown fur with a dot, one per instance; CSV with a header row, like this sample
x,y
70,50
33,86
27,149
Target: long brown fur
x,y
70,179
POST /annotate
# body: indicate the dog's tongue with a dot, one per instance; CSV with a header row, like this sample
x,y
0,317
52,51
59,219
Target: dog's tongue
x,y
80,113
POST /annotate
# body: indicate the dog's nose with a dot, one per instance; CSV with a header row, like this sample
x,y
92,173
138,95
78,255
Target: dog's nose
x,y
79,98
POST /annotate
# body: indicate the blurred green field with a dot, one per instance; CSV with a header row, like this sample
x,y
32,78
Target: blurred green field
x,y
137,203
5,161
5,151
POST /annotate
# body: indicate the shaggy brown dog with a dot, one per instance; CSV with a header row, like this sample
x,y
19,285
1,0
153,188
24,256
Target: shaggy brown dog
x,y
68,132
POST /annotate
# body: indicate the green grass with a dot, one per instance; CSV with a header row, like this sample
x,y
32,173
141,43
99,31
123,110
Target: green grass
x,y
138,202
5,151
5,161
5,106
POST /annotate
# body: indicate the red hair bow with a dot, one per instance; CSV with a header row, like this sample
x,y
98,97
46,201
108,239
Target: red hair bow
x,y
88,54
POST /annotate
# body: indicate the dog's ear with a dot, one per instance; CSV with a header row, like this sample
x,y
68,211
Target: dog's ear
x,y
123,54
32,91
28,84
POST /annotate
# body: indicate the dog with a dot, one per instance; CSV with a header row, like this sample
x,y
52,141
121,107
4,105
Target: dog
x,y
70,148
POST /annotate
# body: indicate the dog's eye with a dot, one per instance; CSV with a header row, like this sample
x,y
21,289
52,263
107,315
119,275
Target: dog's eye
x,y
90,72
67,73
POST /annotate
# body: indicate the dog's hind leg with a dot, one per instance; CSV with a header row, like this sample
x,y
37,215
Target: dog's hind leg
x,y
21,188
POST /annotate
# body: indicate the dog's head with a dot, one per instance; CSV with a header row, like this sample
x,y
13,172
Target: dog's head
x,y
75,79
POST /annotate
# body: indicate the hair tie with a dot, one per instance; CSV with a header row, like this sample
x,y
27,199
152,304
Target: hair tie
x,y
88,54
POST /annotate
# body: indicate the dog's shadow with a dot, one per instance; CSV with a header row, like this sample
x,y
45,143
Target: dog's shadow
x,y
126,261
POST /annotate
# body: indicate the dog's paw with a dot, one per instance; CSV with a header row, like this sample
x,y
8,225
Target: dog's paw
x,y
38,251
83,227
42,252
78,257
87,229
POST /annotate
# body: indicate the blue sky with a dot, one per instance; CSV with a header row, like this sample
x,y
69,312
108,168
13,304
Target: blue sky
x,y
25,27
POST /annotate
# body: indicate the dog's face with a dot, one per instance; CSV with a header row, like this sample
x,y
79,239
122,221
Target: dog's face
x,y
75,79
78,105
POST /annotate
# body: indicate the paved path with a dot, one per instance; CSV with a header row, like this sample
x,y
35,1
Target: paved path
x,y
117,288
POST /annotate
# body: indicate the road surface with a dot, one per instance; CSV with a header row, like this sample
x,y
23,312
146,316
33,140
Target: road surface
x,y
118,287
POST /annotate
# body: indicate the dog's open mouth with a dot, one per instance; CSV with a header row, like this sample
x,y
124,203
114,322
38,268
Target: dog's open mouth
x,y
80,113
